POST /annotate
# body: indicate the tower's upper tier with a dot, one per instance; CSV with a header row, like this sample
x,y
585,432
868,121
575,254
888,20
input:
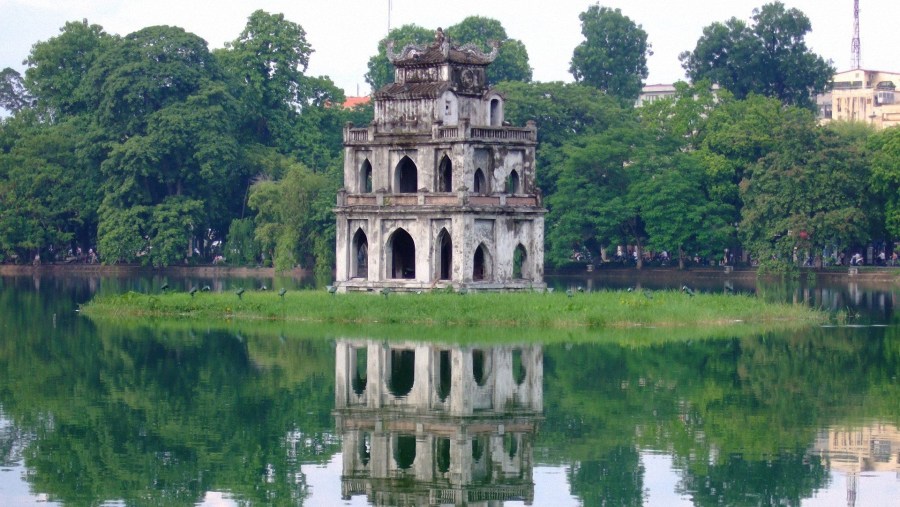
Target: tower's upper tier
x,y
460,68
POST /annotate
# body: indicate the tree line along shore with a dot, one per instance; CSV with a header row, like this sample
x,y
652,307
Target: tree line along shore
x,y
151,148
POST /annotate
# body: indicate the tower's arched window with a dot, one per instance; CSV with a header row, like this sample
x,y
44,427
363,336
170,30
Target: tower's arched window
x,y
520,262
480,183
496,113
406,177
512,183
365,177
481,267
445,255
360,262
445,175
401,250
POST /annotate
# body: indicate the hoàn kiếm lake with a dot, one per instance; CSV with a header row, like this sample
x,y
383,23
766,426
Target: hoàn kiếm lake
x,y
183,414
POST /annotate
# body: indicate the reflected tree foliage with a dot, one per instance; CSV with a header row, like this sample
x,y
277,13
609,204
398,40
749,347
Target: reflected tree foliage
x,y
163,414
738,416
161,417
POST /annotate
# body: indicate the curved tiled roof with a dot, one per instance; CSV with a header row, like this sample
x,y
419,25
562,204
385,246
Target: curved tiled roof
x,y
440,51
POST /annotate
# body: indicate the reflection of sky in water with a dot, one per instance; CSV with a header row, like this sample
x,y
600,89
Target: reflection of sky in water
x,y
551,488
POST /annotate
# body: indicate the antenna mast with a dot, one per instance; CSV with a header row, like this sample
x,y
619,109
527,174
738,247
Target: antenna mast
x,y
855,60
390,6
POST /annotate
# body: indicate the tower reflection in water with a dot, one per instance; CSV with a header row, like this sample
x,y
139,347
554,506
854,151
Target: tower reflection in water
x,y
429,424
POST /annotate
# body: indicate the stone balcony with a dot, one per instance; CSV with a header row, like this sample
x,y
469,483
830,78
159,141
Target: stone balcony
x,y
432,199
355,136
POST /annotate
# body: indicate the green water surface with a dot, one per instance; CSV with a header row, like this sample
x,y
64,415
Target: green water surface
x,y
148,415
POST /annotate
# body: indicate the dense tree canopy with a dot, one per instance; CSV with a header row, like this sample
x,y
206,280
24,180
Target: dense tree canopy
x,y
769,57
613,56
885,151
152,147
146,146
808,196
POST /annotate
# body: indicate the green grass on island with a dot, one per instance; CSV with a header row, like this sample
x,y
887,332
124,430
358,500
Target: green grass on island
x,y
583,310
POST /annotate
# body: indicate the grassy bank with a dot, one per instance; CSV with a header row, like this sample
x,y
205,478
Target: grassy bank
x,y
597,310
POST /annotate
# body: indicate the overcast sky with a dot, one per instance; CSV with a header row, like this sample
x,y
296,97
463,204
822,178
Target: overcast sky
x,y
345,33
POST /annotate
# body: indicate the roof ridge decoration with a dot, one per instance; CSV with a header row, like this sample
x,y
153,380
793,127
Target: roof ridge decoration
x,y
441,51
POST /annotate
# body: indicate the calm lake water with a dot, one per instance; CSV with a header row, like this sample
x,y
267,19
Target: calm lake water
x,y
277,414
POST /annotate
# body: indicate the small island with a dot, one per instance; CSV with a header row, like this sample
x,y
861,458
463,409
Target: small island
x,y
572,309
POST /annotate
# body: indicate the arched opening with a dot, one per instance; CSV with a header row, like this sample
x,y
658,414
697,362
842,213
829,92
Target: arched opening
x,y
361,255
365,177
360,361
406,179
512,183
403,371
477,449
403,255
520,264
511,444
365,447
480,183
496,117
444,375
445,255
518,368
442,454
445,175
481,268
405,451
478,367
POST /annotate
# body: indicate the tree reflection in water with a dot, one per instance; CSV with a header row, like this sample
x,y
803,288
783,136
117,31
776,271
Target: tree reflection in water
x,y
154,414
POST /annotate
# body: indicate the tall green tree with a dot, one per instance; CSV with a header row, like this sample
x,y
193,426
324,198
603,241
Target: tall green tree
x,y
591,207
267,64
561,112
613,56
678,213
885,179
769,57
48,195
511,63
807,196
738,133
57,74
170,124
294,226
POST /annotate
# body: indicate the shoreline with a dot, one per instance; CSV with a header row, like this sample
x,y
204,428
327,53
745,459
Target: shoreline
x,y
119,270
868,274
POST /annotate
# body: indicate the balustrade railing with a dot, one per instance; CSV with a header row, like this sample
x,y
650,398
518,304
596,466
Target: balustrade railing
x,y
455,132
438,199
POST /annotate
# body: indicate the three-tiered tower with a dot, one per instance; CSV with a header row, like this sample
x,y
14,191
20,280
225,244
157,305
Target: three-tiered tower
x,y
439,190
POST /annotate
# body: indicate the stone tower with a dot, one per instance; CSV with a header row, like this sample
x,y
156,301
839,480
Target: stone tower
x,y
439,190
